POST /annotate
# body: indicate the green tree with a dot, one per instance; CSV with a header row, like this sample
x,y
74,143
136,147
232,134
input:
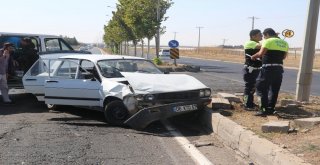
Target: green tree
x,y
135,20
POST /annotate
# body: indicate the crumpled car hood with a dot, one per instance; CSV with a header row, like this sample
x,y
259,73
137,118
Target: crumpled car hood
x,y
143,83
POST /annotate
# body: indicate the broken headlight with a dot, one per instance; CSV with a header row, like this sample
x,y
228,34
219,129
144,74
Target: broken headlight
x,y
205,93
149,97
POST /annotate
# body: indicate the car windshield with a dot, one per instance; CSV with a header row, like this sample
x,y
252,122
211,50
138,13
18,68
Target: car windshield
x,y
127,65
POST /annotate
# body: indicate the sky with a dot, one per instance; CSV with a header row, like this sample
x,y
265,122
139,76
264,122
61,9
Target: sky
x,y
223,21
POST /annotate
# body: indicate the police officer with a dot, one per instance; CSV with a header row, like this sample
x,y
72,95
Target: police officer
x,y
251,68
273,51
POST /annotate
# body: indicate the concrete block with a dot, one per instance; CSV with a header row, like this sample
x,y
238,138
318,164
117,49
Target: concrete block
x,y
307,122
230,97
230,132
284,157
245,142
276,126
220,103
261,151
215,120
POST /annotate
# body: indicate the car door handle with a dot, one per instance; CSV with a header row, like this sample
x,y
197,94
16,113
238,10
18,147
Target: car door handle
x,y
52,81
29,79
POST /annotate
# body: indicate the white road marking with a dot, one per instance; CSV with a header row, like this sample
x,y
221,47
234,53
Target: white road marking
x,y
189,148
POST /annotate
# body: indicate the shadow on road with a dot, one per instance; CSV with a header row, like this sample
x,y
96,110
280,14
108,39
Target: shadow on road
x,y
24,103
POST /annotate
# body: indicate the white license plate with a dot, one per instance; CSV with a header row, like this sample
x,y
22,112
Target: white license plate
x,y
183,108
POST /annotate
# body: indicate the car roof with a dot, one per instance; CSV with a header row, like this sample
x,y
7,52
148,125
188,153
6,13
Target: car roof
x,y
25,34
98,57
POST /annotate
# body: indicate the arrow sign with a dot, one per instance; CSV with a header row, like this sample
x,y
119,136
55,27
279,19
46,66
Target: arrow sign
x,y
173,43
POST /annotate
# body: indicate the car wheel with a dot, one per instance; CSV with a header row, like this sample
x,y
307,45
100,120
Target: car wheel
x,y
116,113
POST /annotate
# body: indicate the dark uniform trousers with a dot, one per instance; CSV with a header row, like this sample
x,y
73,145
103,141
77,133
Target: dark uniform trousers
x,y
268,85
250,86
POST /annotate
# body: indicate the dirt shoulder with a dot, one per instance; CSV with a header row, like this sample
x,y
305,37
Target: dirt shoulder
x,y
305,143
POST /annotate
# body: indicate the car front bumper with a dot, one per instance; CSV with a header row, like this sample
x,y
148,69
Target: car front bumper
x,y
147,115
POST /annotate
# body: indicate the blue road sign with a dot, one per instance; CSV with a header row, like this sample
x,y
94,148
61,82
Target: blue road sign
x,y
173,43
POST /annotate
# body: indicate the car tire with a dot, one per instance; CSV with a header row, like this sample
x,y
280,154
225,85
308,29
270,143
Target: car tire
x,y
116,113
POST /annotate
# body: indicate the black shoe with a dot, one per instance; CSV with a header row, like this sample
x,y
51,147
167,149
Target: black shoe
x,y
276,113
260,113
270,110
249,108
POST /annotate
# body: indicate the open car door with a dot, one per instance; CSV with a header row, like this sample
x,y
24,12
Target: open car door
x,y
34,79
70,84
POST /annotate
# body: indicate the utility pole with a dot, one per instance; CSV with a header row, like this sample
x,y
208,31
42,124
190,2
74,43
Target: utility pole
x,y
306,63
253,18
158,29
199,27
175,35
223,42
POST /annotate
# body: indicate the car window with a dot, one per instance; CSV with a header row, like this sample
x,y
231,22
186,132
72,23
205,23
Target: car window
x,y
109,71
66,69
39,68
131,65
88,65
88,68
56,44
16,41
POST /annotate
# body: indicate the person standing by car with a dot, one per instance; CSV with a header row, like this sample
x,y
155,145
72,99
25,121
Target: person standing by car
x,y
273,51
5,60
251,68
29,54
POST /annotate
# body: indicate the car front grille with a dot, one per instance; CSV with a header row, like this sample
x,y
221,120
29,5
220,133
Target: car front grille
x,y
177,96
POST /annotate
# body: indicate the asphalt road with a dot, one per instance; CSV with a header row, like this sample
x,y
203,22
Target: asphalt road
x,y
232,72
30,134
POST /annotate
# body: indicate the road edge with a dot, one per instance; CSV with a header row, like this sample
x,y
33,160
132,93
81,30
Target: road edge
x,y
250,145
286,67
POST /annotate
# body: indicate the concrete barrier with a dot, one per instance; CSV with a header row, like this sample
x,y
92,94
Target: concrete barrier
x,y
250,145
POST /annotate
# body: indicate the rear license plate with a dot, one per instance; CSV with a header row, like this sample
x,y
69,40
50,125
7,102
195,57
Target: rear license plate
x,y
183,108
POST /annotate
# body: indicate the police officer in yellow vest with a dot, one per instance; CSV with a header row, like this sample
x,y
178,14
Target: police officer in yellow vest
x,y
273,51
251,68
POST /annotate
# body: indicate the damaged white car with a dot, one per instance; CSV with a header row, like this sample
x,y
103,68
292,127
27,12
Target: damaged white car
x,y
129,90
